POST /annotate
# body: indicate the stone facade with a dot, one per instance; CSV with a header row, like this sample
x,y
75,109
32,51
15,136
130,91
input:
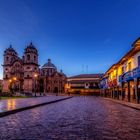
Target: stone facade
x,y
24,75
51,80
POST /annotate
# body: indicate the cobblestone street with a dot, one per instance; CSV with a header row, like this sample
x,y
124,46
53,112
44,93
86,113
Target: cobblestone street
x,y
78,118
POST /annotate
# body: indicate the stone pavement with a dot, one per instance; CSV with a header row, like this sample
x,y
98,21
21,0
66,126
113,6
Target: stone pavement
x,y
14,104
129,104
78,118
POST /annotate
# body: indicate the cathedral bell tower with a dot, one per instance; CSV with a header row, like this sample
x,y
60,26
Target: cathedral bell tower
x,y
31,68
10,55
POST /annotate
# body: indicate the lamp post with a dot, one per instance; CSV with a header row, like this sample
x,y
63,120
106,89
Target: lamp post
x,y
35,77
14,81
10,86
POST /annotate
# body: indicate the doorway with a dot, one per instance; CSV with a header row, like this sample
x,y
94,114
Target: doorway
x,y
55,90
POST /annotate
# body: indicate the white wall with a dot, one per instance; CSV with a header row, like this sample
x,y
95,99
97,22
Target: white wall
x,y
136,59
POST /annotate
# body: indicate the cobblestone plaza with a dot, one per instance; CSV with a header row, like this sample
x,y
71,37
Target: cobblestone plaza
x,y
78,118
70,70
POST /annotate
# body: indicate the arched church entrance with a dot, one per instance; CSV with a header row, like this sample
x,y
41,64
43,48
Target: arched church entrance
x,y
42,85
55,90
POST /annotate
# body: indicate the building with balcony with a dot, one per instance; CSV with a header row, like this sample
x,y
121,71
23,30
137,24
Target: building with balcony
x,y
87,84
122,79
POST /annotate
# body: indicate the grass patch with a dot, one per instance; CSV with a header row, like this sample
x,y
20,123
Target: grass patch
x,y
14,97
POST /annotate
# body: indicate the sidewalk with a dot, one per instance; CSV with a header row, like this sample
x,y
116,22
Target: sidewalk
x,y
11,106
128,104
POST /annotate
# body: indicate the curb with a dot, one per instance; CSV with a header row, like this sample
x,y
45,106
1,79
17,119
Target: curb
x,y
122,103
6,113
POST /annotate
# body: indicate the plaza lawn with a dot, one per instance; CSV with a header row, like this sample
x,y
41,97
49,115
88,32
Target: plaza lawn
x,y
14,97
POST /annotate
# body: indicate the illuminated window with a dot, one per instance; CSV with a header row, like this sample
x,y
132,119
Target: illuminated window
x,y
122,69
129,66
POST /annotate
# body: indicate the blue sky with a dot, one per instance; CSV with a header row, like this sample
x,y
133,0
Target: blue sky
x,y
73,33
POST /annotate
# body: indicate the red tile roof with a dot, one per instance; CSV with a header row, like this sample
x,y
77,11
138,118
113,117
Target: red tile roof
x,y
86,76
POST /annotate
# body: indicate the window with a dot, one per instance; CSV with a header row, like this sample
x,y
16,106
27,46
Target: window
x,y
47,72
28,57
7,58
6,76
122,69
17,65
34,58
129,66
138,61
43,72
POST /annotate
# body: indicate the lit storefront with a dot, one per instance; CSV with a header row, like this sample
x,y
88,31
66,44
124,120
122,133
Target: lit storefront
x,y
87,84
123,78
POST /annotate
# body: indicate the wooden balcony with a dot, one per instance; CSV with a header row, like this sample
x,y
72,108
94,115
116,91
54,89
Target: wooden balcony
x,y
128,76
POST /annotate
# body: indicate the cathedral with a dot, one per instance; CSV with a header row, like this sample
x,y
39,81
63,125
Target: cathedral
x,y
24,75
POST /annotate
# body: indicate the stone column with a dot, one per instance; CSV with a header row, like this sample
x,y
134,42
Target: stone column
x,y
104,93
128,86
136,89
122,90
118,93
44,86
112,92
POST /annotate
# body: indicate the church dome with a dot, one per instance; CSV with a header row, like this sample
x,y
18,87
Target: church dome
x,y
10,51
49,65
31,49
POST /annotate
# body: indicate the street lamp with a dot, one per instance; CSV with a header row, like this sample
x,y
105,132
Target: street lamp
x,y
15,78
35,77
10,86
10,81
19,84
14,81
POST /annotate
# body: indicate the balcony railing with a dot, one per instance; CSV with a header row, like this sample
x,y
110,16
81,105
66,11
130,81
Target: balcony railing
x,y
114,82
128,76
120,78
110,83
103,84
136,72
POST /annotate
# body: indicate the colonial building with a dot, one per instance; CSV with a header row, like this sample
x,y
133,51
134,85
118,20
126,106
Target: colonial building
x,y
122,80
84,84
24,75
